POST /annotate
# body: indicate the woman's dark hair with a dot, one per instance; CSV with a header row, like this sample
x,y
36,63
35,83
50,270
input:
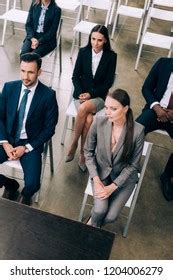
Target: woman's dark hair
x,y
32,57
102,30
37,2
122,97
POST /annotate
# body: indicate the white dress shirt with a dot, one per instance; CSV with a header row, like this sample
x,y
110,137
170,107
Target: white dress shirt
x,y
96,57
166,97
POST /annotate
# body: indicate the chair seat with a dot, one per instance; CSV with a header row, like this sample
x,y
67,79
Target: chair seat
x,y
13,164
161,14
157,40
165,3
71,110
71,5
84,27
130,11
15,15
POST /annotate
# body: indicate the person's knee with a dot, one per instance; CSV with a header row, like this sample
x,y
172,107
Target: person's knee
x,y
110,219
83,111
99,211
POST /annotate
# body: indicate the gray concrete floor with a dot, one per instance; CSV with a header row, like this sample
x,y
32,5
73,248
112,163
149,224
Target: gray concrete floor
x,y
150,233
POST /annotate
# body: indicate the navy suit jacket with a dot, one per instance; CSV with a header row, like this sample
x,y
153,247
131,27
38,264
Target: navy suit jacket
x,y
41,119
83,79
51,22
157,80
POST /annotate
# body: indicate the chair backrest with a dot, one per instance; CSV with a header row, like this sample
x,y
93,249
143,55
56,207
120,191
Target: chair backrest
x,y
162,3
134,196
104,5
146,154
70,5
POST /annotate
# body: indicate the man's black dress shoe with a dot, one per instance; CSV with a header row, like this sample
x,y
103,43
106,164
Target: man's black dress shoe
x,y
25,200
167,187
10,191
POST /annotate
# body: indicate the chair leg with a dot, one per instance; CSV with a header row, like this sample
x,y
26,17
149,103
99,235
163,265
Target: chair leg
x,y
64,130
3,33
51,156
138,56
83,207
114,25
37,195
60,56
139,32
73,45
46,146
126,228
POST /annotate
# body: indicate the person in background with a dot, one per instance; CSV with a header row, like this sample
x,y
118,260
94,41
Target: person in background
x,y
158,111
93,75
28,116
113,151
41,27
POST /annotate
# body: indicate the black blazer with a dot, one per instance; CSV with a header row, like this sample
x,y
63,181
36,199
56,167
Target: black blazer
x,y
83,79
157,80
51,23
42,116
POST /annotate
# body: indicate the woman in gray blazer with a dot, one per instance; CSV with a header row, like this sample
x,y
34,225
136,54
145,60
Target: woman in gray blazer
x,y
93,75
113,150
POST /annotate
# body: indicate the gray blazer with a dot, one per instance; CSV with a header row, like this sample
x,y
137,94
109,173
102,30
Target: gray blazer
x,y
99,159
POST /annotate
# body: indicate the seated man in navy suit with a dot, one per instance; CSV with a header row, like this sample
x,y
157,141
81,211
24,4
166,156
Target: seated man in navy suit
x,y
158,112
28,116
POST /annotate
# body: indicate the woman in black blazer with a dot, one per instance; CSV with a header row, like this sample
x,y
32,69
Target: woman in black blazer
x,y
93,75
41,27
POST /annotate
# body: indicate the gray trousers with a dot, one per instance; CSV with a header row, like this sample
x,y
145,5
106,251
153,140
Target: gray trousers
x,y
107,210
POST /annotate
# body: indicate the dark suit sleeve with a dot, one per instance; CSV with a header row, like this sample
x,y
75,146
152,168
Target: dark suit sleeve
x,y
102,89
150,83
76,77
51,32
49,122
29,27
3,102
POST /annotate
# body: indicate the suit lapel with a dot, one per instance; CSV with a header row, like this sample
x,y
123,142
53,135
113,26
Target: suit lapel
x,y
36,99
102,62
107,137
88,61
120,142
14,103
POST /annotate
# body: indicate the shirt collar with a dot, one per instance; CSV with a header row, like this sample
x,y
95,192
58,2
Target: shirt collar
x,y
32,89
97,54
45,7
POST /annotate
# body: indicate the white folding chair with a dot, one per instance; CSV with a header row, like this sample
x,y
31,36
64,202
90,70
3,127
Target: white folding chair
x,y
13,15
130,11
155,39
69,6
84,26
54,54
15,165
133,198
71,111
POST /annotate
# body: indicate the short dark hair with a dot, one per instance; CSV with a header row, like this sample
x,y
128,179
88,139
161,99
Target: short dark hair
x,y
104,31
30,57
